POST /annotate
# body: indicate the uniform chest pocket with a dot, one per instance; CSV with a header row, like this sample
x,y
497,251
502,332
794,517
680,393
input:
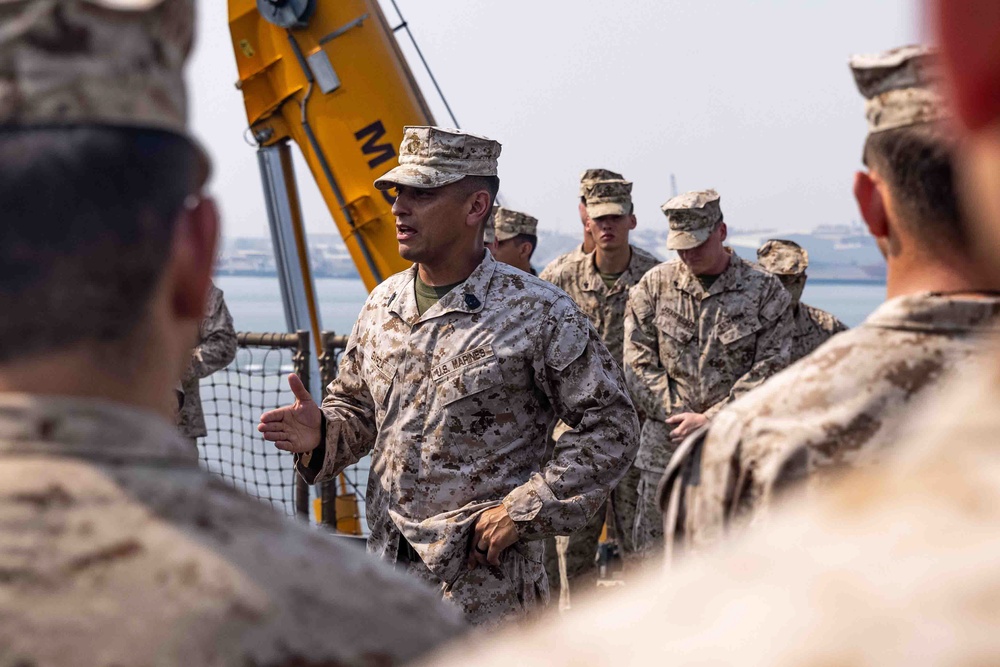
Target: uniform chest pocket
x,y
468,374
675,333
735,332
381,374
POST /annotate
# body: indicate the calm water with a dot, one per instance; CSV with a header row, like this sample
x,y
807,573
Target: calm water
x,y
256,302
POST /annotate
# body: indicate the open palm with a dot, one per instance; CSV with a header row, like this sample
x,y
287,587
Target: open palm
x,y
295,427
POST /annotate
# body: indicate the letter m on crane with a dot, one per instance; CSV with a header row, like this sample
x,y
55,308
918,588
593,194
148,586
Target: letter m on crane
x,y
380,152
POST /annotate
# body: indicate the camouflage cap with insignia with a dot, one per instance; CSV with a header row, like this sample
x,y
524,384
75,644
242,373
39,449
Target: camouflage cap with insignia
x,y
900,87
783,258
608,198
431,157
692,217
593,175
510,223
116,63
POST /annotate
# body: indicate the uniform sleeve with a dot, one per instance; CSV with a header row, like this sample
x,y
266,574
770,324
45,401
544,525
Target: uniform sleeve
x,y
586,389
646,377
349,412
773,348
217,342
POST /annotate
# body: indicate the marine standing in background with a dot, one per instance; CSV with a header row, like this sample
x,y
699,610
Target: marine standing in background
x,y
599,283
853,398
216,349
788,261
515,238
116,548
700,331
451,378
588,245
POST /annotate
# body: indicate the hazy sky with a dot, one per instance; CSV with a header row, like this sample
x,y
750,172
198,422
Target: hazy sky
x,y
751,97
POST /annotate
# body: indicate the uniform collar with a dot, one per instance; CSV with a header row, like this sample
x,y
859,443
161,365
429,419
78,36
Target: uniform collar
x,y
33,424
930,311
734,278
469,297
592,275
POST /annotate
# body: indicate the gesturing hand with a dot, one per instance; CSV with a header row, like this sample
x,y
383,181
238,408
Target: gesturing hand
x,y
687,423
295,427
494,532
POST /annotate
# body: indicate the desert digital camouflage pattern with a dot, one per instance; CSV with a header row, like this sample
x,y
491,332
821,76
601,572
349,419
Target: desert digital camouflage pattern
x,y
215,351
900,558
578,276
117,549
607,198
432,157
508,223
692,350
900,87
812,326
598,174
455,406
119,64
843,406
692,217
555,266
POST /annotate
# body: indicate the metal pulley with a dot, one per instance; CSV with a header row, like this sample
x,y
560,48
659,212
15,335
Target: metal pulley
x,y
287,13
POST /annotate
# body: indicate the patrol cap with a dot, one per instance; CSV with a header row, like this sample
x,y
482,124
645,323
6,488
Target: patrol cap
x,y
489,229
115,63
431,157
783,258
510,223
692,216
900,87
592,175
612,197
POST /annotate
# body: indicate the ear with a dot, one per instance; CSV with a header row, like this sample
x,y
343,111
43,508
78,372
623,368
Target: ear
x,y
632,221
192,257
584,218
479,208
969,32
524,251
871,204
723,231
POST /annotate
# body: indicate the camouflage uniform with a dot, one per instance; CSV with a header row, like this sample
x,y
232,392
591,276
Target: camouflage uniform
x,y
846,403
455,405
117,549
605,307
788,261
688,349
216,350
901,559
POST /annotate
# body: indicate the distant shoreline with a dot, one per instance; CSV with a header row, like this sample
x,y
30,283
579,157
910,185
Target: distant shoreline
x,y
354,276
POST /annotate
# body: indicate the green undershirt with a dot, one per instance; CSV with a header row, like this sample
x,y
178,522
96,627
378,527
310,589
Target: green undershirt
x,y
610,278
707,281
428,295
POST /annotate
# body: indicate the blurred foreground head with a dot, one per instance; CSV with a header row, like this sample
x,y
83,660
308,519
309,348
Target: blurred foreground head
x,y
106,237
969,34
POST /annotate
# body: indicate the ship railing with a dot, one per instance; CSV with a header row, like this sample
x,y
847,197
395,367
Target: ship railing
x,y
233,400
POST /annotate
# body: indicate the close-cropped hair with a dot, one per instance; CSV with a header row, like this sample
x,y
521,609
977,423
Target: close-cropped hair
x,y
89,215
917,163
526,238
491,184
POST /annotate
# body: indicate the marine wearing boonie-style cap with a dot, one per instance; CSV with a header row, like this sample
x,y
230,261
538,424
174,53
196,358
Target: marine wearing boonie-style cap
x,y
783,258
432,157
508,224
612,197
692,216
900,87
